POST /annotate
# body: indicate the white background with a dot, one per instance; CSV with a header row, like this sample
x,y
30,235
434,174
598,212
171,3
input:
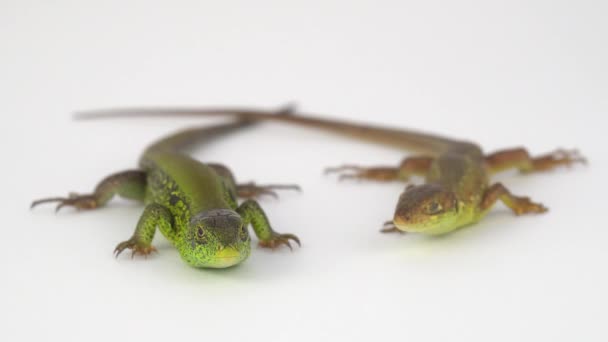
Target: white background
x,y
502,73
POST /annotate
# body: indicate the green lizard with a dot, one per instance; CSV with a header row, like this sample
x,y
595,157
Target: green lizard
x,y
193,204
457,191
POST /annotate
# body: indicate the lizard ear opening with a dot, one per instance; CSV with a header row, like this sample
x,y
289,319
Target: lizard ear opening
x,y
451,202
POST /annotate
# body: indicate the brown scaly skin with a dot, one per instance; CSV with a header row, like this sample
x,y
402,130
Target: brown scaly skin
x,y
457,191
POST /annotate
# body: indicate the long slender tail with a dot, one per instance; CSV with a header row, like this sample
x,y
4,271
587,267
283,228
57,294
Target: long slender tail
x,y
184,139
399,138
191,137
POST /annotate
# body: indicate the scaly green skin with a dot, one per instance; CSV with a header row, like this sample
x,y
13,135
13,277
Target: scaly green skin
x,y
194,205
457,191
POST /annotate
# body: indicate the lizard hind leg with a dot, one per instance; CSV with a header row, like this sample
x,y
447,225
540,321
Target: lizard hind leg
x,y
250,190
409,166
253,190
127,184
520,158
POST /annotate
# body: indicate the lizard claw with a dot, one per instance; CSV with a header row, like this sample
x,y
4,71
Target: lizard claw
x,y
341,168
251,190
280,239
346,176
560,157
80,202
346,172
569,157
381,174
136,248
524,205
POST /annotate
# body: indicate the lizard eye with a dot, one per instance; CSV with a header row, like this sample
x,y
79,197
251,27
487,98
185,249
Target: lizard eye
x,y
434,208
243,234
201,236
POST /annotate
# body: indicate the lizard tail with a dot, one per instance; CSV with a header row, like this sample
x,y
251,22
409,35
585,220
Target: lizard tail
x,y
400,138
191,137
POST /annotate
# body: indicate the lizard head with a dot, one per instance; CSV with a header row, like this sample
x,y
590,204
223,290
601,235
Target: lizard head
x,y
216,238
427,208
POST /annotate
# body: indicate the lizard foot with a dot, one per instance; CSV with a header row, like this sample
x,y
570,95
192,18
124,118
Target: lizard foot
x,y
382,174
523,205
80,202
560,157
136,247
251,190
279,239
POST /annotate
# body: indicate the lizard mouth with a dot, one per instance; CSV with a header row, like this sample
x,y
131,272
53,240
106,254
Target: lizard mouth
x,y
402,223
228,253
407,225
226,257
203,256
224,262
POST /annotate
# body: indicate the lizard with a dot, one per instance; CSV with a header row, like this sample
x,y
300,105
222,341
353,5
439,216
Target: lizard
x,y
193,204
457,191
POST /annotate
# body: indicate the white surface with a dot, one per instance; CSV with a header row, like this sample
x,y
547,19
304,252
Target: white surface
x,y
503,74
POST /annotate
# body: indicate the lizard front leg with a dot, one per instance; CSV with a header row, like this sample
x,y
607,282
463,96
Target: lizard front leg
x,y
154,215
519,205
127,184
409,166
520,158
251,212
